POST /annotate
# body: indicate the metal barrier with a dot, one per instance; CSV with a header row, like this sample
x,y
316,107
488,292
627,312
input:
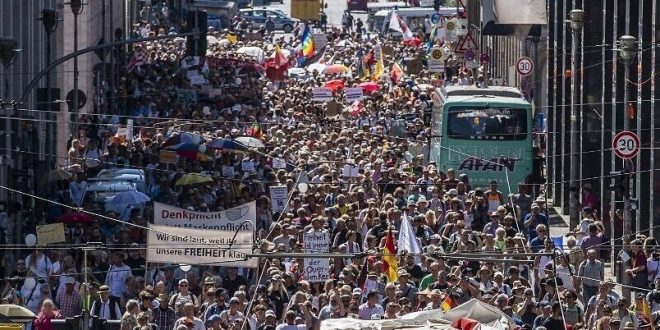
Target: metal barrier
x,y
75,323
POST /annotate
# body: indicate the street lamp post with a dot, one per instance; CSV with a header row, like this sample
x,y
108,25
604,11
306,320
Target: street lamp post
x,y
627,54
576,23
8,56
76,9
50,20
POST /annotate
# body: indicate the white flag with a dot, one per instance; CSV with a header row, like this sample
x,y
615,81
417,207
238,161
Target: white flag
x,y
407,239
397,24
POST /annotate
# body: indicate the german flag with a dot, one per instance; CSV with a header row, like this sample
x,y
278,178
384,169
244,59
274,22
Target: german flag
x,y
447,304
389,258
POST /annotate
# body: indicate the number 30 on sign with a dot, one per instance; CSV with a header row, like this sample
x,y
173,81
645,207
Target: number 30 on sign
x,y
524,66
626,145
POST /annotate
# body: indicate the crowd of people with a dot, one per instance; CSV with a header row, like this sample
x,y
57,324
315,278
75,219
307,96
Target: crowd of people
x,y
476,242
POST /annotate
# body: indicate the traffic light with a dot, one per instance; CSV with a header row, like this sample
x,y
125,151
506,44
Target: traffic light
x,y
436,5
196,22
621,184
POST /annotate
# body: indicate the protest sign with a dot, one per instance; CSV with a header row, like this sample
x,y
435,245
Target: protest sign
x,y
168,157
49,234
350,171
228,171
279,163
278,198
316,242
322,94
229,220
167,244
436,65
316,269
129,129
353,94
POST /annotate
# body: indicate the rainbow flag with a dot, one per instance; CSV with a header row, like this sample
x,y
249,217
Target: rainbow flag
x,y
389,258
307,42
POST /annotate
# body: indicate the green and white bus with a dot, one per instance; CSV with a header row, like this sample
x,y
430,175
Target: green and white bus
x,y
485,133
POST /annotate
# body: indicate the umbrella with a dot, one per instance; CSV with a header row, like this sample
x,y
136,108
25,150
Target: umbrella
x,y
193,178
334,85
59,174
369,86
335,68
130,198
250,142
412,42
226,145
76,218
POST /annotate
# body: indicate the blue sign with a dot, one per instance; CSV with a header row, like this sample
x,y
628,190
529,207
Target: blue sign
x,y
435,18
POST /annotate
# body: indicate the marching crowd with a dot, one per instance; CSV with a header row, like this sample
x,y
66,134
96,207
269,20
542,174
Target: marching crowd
x,y
397,187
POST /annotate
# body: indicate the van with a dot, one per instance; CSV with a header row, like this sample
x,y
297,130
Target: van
x,y
413,16
374,7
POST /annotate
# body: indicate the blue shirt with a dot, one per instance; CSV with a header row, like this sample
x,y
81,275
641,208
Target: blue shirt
x,y
536,244
540,219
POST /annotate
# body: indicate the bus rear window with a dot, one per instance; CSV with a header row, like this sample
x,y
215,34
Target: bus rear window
x,y
485,123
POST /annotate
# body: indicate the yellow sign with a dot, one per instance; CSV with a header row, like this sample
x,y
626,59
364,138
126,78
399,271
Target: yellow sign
x,y
168,157
49,234
450,26
436,53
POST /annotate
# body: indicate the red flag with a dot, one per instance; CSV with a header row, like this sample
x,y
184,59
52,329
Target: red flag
x,y
396,73
369,59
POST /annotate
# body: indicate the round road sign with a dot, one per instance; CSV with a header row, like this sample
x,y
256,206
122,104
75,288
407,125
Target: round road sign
x,y
469,55
484,58
626,144
525,66
435,18
436,53
450,26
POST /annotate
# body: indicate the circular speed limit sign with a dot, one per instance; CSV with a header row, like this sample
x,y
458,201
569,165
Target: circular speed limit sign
x,y
525,66
626,144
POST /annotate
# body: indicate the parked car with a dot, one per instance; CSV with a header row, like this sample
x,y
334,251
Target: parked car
x,y
258,16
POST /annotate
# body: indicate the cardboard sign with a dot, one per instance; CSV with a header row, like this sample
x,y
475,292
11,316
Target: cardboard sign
x,y
279,195
317,269
353,94
322,94
49,234
167,157
198,246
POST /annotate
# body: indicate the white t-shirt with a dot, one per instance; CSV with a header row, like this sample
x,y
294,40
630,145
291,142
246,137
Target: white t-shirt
x,y
116,279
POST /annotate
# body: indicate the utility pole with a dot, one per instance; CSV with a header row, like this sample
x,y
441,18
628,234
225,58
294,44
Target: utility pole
x,y
627,54
576,22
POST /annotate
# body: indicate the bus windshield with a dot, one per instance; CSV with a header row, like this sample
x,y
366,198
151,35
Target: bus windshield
x,y
487,123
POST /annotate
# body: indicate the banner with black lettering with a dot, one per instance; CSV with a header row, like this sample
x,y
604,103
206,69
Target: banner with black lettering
x,y
168,244
230,220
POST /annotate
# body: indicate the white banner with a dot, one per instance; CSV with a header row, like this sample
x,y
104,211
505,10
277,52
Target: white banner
x,y
167,244
322,94
352,94
317,269
278,198
228,220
